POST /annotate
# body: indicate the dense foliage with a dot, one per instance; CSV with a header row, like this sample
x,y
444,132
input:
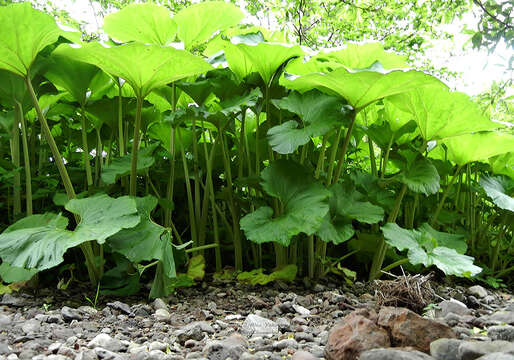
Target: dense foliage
x,y
237,151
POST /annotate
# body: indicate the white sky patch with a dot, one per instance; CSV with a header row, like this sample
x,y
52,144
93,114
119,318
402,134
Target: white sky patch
x,y
478,69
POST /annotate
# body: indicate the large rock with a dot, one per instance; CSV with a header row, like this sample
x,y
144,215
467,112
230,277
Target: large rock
x,y
393,354
452,306
477,291
497,356
106,342
498,318
407,328
445,349
255,325
471,350
232,347
355,333
505,332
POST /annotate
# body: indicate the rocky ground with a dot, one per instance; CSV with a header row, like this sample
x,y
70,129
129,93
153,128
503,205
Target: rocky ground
x,y
273,322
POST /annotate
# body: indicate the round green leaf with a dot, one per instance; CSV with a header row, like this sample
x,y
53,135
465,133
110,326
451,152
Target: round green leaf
x,y
495,190
23,34
197,23
145,23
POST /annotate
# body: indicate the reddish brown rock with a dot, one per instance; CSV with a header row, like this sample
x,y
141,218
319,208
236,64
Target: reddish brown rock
x,y
354,334
407,328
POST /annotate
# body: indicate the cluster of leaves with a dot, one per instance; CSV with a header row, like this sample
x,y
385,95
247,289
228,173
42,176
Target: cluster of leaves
x,y
243,145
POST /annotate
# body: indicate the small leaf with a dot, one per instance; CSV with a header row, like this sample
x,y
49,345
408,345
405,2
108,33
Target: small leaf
x,y
196,267
421,176
121,166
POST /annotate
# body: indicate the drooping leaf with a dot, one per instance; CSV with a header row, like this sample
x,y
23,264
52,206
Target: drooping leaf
x,y
144,23
319,113
478,146
423,248
503,164
440,113
121,166
304,202
145,67
263,58
360,88
421,176
74,76
197,23
452,241
23,34
10,274
335,230
102,216
496,191
196,267
145,242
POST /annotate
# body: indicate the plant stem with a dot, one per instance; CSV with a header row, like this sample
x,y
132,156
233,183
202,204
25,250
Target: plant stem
x,y
26,162
344,149
15,155
192,219
433,221
135,148
85,147
380,253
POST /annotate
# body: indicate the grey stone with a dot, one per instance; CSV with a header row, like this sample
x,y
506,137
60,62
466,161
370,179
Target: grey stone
x,y
232,347
105,354
498,318
31,326
106,342
204,326
477,291
162,315
285,344
301,310
156,345
86,355
54,347
57,357
505,332
15,301
192,332
27,354
452,306
118,305
470,350
255,325
445,349
393,354
159,304
283,324
5,349
5,320
68,314
497,356
156,355
303,355
303,336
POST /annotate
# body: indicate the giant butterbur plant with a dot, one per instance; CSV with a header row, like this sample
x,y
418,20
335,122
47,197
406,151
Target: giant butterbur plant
x,y
189,128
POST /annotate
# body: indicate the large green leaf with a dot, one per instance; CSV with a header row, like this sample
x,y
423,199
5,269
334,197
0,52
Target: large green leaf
x,y
121,166
503,164
496,191
421,176
10,274
425,247
263,58
102,216
197,23
74,76
478,146
319,113
304,203
144,23
23,34
360,88
353,56
37,242
145,241
346,204
441,113
145,67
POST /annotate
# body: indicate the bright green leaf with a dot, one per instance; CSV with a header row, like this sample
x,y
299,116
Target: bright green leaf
x,y
121,166
23,34
144,23
496,191
197,23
